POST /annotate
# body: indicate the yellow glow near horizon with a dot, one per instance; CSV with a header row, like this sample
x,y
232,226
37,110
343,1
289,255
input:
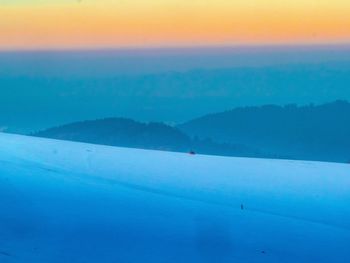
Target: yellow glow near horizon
x,y
140,23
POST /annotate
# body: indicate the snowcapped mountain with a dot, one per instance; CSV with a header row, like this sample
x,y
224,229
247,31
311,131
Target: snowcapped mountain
x,y
74,202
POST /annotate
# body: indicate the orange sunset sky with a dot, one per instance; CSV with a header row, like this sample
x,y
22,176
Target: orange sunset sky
x,y
65,24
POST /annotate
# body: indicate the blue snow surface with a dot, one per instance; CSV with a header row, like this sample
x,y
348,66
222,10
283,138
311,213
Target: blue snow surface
x,y
74,202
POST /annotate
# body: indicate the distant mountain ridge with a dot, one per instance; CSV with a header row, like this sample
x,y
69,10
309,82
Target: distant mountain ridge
x,y
173,97
313,132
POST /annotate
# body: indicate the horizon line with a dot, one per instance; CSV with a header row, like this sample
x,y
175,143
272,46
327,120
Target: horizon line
x,y
263,46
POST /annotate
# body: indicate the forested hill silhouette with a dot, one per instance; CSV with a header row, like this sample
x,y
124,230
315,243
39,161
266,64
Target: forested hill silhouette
x,y
158,136
313,132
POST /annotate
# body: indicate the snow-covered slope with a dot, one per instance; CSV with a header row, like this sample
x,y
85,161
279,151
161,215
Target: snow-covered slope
x,y
74,202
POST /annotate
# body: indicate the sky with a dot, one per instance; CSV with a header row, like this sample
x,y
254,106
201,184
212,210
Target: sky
x,y
90,24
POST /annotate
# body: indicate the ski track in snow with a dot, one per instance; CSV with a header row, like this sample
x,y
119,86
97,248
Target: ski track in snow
x,y
136,187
